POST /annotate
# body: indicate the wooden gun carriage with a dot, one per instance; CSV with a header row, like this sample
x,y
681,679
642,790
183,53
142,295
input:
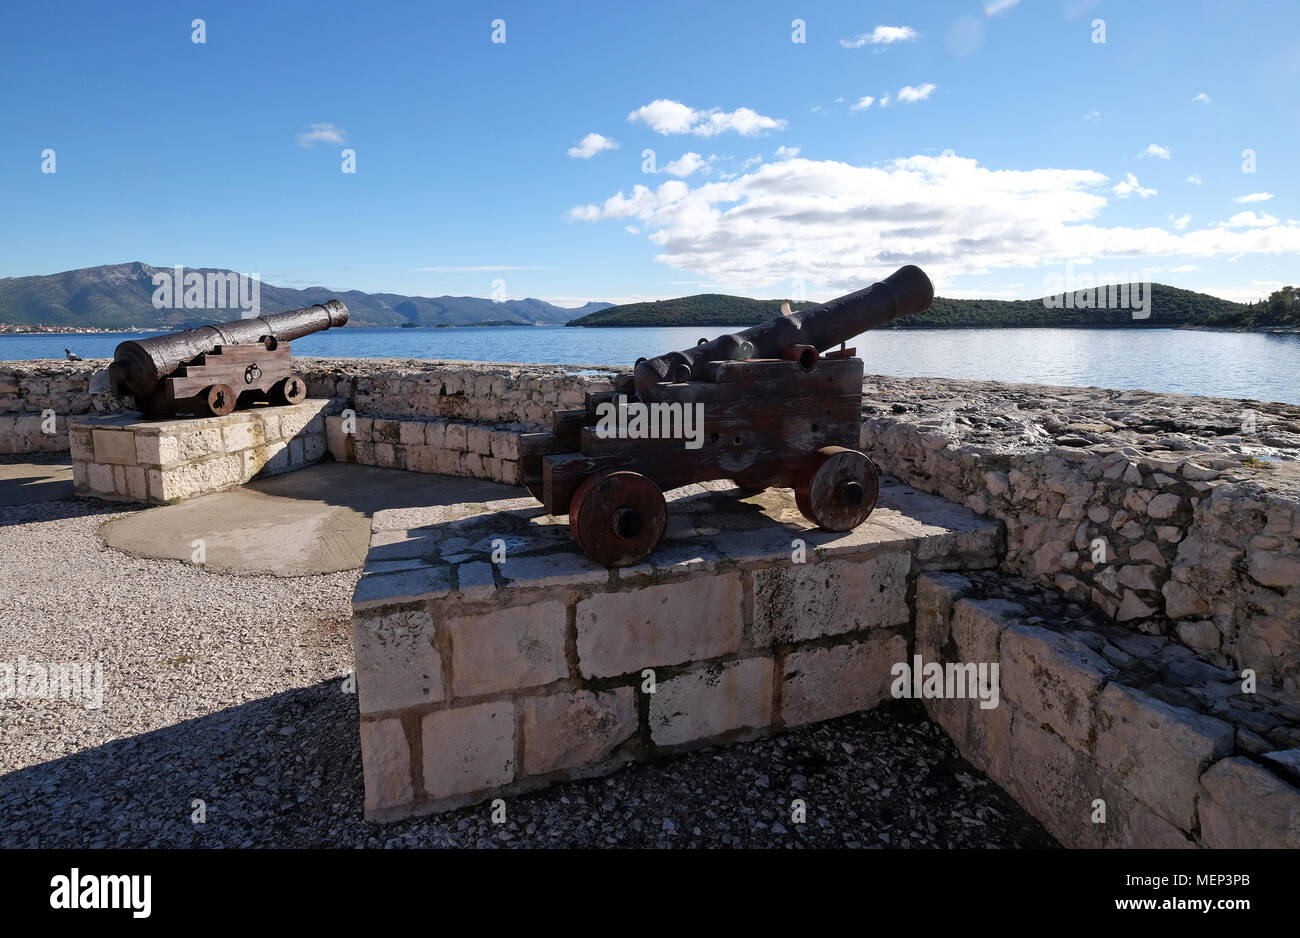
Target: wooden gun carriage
x,y
776,412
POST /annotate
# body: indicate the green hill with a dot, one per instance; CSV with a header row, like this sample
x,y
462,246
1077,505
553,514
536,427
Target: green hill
x,y
1169,306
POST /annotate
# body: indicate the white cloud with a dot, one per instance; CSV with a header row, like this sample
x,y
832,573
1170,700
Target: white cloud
x,y
1183,269
1155,150
994,7
839,226
1194,179
911,93
1248,220
1180,222
1203,98
882,36
884,99
686,164
1129,185
864,102
1092,116
672,117
1254,197
786,153
816,109
322,133
584,213
591,145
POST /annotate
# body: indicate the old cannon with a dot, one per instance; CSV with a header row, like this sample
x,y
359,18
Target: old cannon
x,y
763,408
211,370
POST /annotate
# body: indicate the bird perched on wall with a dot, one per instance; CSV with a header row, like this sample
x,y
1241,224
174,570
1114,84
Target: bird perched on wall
x,y
72,356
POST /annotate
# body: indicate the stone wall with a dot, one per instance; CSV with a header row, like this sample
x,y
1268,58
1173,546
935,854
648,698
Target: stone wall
x,y
120,457
1160,510
1109,737
522,395
447,447
31,389
482,674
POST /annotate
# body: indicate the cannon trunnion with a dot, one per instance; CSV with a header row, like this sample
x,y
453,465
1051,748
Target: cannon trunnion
x,y
771,409
211,370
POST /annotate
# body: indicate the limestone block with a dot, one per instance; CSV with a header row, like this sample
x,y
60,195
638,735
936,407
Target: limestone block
x,y
397,664
507,649
468,749
830,597
573,729
386,764
713,700
674,623
1245,806
823,683
1052,680
1159,751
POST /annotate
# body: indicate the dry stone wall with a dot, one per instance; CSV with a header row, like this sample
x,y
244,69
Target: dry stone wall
x,y
1177,515
1109,737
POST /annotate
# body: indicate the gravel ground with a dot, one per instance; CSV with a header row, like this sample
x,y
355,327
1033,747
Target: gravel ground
x,y
227,689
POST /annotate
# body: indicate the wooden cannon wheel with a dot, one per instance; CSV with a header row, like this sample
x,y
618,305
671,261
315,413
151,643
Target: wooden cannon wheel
x,y
219,399
618,517
837,488
290,390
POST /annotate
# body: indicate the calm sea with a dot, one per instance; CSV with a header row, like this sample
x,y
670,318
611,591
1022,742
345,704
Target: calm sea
x,y
1218,364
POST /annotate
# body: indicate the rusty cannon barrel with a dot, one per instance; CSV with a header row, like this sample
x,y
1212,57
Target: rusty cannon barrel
x,y
799,335
212,369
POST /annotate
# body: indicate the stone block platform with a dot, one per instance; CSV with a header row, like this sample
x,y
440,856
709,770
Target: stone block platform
x,y
479,678
127,457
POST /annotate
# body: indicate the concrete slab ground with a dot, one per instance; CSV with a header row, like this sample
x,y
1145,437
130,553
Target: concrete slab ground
x,y
315,520
33,478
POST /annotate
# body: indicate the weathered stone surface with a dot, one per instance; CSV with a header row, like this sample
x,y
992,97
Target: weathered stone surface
x,y
1054,783
1052,680
507,649
385,589
397,664
468,749
1245,806
829,597
935,595
710,701
114,446
1157,750
573,729
823,683
386,764
673,623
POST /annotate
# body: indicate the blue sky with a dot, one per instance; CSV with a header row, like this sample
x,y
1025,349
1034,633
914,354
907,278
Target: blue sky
x,y
999,145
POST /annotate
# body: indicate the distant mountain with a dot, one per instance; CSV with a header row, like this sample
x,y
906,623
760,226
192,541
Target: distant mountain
x,y
121,296
1169,306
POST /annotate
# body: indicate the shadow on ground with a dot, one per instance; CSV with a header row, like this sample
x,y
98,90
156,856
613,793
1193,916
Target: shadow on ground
x,y
34,477
285,771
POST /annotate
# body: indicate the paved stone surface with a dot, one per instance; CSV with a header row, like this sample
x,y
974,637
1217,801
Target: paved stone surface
x,y
315,520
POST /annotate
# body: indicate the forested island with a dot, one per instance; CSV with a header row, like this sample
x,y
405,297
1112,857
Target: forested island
x,y
1169,307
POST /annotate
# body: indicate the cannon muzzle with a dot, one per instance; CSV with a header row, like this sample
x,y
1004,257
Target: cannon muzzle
x,y
140,365
904,292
